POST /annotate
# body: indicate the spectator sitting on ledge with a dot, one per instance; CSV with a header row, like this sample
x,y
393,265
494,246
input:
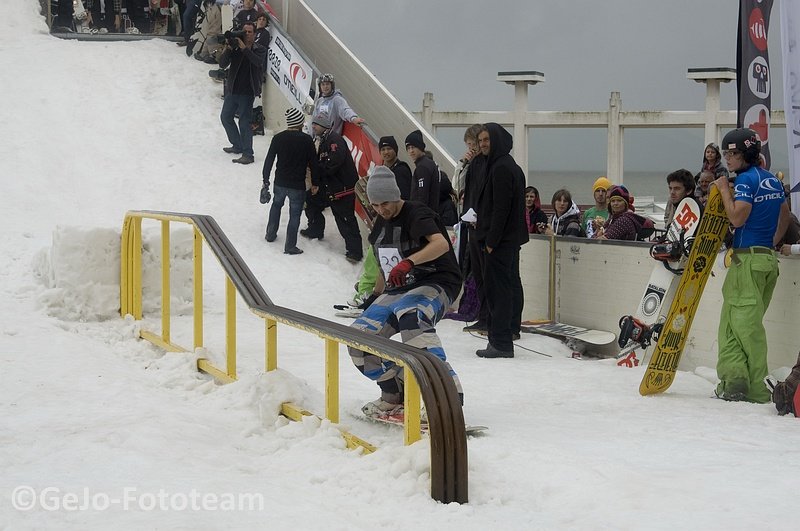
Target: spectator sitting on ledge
x,y
566,220
623,223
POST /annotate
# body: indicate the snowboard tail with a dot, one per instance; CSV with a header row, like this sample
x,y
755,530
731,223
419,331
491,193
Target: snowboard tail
x,y
397,420
566,331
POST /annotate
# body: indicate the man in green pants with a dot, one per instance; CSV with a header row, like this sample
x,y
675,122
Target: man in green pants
x,y
757,209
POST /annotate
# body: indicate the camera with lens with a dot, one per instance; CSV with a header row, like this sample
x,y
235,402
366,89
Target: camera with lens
x,y
229,38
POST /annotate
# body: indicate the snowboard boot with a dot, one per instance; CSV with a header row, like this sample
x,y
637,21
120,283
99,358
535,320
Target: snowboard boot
x,y
381,408
732,391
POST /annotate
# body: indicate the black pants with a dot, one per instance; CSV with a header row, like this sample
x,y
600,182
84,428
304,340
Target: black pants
x,y
476,264
503,285
343,212
62,12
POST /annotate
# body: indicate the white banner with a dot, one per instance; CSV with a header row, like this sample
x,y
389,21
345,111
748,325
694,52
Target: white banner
x,y
790,26
288,69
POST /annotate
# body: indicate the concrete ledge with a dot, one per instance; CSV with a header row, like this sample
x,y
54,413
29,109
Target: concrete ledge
x,y
113,37
598,281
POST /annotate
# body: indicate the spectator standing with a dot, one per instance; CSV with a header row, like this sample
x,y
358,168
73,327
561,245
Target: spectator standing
x,y
242,86
425,181
295,153
333,186
566,220
501,231
190,11
712,161
623,223
758,210
471,143
401,170
419,280
681,185
597,215
332,104
447,205
473,179
535,218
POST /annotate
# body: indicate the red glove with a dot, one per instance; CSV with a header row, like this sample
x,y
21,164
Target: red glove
x,y
397,276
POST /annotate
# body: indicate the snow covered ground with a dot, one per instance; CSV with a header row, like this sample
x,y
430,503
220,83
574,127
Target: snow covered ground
x,y
90,415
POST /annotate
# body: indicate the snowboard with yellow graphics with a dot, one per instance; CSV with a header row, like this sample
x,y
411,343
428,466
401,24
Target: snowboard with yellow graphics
x,y
707,241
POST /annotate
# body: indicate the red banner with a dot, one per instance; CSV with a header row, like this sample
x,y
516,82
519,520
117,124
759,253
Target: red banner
x,y
364,151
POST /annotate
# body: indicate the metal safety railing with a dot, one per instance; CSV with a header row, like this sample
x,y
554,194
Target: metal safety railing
x,y
427,379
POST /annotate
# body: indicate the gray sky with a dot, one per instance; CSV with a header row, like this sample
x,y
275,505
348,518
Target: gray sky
x,y
586,49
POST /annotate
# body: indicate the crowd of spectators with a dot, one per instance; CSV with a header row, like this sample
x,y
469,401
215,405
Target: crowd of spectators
x,y
198,19
487,203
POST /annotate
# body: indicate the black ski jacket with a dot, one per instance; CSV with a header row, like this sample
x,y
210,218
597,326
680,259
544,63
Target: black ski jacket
x,y
501,201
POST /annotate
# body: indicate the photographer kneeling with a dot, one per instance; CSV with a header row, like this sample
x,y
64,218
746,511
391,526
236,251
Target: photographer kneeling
x,y
242,86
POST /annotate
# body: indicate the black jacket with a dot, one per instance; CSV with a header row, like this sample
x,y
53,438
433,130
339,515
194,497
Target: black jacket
x,y
425,183
249,61
402,174
501,202
474,180
295,152
337,171
245,15
447,208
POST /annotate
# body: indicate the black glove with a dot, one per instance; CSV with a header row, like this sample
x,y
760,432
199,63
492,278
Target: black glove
x,y
265,195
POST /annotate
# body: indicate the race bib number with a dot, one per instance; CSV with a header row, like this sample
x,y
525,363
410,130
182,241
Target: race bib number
x,y
388,258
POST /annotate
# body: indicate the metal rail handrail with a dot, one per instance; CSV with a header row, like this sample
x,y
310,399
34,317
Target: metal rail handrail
x,y
426,375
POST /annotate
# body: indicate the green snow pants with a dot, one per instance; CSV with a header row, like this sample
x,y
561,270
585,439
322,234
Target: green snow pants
x,y
369,276
747,291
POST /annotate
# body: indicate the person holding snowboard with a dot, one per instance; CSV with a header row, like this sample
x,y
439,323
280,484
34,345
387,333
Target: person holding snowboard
x,y
758,211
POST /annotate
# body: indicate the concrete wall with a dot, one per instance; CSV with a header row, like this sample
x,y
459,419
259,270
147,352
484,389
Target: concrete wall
x,y
596,282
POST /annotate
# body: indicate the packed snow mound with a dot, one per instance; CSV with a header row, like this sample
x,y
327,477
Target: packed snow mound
x,y
81,272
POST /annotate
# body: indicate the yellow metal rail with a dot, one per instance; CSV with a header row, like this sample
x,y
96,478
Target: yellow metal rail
x,y
426,377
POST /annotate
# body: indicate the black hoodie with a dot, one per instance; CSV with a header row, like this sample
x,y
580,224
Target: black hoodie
x,y
501,201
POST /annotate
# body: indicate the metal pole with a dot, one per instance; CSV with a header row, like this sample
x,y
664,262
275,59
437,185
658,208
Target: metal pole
x,y
520,129
614,163
427,111
712,108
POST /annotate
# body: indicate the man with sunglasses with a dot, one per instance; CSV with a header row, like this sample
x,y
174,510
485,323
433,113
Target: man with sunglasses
x,y
757,209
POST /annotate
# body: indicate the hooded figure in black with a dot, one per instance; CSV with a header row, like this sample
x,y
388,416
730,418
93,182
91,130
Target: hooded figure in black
x,y
500,231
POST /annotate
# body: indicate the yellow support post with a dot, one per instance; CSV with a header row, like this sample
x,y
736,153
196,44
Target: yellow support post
x,y
197,260
136,273
124,267
551,294
230,327
332,380
411,405
165,283
271,335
